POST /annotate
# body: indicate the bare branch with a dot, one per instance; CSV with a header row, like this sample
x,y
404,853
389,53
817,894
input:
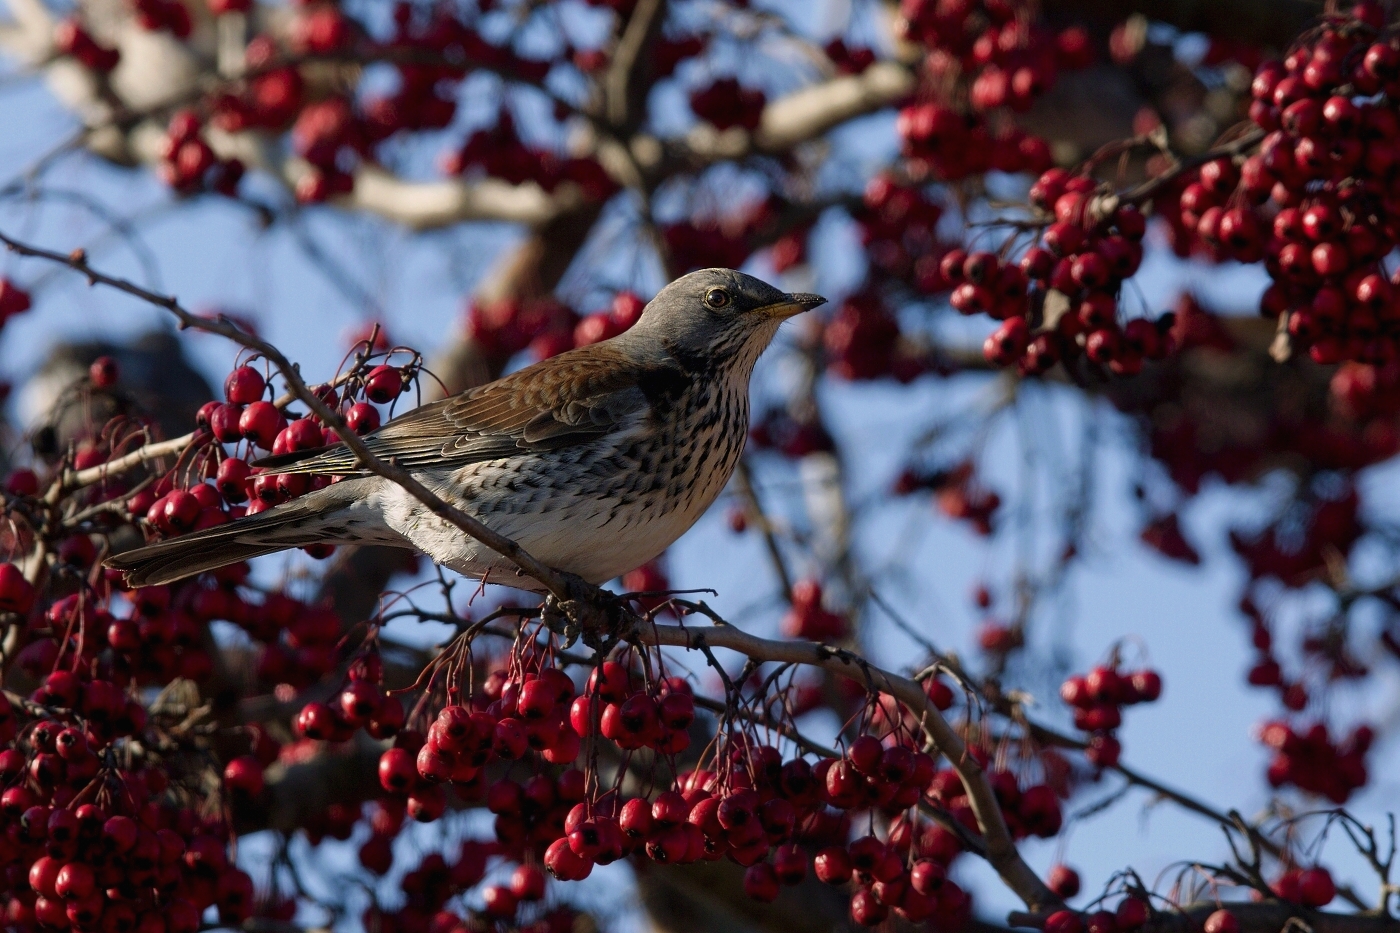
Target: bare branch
x,y
425,205
1269,917
628,78
806,114
799,117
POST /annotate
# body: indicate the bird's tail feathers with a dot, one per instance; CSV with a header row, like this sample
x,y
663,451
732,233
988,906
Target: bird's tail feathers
x,y
314,460
302,521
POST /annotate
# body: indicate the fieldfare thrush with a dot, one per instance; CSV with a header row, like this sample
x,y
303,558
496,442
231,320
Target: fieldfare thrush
x,y
594,461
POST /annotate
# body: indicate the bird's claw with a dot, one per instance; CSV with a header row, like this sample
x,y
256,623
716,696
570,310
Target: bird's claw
x,y
587,612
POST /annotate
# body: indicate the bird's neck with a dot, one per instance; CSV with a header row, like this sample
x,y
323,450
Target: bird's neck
x,y
733,356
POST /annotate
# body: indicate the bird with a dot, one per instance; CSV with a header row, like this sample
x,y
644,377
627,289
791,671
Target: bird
x,y
594,461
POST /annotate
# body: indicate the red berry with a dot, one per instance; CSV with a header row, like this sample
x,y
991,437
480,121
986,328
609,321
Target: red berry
x,y
224,422
866,909
383,384
178,512
761,882
927,876
1063,880
865,753
1064,921
301,434
16,593
244,774
244,386
260,423
362,418
1132,913
527,883
104,372
1147,685
232,480
74,881
1315,887
790,863
499,900
832,865
1222,921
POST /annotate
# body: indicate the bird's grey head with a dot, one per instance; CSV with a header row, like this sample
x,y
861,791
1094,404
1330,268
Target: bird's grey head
x,y
720,314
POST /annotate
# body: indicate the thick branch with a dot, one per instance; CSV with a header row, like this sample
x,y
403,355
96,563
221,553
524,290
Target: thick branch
x,y
808,113
799,117
425,205
1268,917
628,80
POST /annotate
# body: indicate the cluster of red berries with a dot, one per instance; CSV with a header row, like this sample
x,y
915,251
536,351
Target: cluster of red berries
x,y
1369,394
548,327
330,137
1329,526
1082,263
862,341
726,239
1267,672
1314,762
1191,445
361,704
726,103
498,151
434,882
170,15
270,98
792,436
938,142
963,497
71,38
958,493
250,422
808,618
790,249
1098,698
91,845
1311,887
148,643
429,52
1316,201
188,164
13,300
504,328
848,59
1012,60
1131,913
624,311
899,230
780,819
1004,61
1033,810
1326,519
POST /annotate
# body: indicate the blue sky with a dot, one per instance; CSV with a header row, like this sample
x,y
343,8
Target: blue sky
x,y
1197,738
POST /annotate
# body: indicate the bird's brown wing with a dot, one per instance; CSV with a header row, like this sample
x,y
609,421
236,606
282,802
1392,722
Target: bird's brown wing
x,y
569,399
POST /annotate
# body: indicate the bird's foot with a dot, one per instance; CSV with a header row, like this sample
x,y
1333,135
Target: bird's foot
x,y
588,612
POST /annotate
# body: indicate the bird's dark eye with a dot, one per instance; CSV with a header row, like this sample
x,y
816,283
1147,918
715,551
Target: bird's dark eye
x,y
717,298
